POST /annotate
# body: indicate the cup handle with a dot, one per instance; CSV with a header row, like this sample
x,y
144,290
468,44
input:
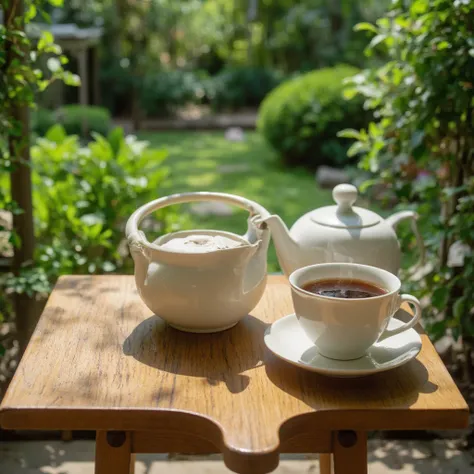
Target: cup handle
x,y
391,332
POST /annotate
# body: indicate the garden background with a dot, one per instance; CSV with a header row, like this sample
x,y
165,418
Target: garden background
x,y
107,104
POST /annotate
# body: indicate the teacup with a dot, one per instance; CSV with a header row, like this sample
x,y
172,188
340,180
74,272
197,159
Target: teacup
x,y
345,328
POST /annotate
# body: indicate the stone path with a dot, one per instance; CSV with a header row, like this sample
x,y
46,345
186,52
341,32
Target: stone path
x,y
246,120
385,457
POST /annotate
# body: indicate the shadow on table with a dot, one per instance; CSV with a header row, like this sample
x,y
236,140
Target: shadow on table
x,y
217,357
399,387
84,287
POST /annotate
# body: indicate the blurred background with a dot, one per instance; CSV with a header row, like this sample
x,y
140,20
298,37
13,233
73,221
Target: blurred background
x,y
108,104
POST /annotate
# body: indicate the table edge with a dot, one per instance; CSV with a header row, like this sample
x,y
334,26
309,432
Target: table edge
x,y
97,418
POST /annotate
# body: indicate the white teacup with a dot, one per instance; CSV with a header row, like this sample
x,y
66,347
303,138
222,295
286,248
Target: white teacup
x,y
345,328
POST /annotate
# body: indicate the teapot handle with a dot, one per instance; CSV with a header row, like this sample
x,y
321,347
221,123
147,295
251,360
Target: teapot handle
x,y
396,218
137,239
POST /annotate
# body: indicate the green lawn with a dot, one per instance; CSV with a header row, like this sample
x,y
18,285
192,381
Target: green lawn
x,y
196,160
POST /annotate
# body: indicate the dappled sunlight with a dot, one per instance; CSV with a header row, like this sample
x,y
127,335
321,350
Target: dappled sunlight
x,y
202,180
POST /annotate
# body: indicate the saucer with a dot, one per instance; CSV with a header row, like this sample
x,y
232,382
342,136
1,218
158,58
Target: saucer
x,y
287,340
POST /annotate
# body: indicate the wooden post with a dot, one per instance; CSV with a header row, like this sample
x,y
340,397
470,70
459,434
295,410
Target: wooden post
x,y
20,180
83,73
325,463
113,453
96,75
84,88
350,452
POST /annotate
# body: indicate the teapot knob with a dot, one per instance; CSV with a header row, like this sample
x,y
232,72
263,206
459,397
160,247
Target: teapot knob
x,y
345,195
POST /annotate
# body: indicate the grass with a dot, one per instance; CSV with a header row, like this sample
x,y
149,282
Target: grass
x,y
198,162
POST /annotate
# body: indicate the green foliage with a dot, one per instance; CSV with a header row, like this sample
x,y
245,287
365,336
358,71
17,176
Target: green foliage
x,y
76,120
82,198
42,120
301,118
421,144
163,92
286,35
116,83
21,79
242,86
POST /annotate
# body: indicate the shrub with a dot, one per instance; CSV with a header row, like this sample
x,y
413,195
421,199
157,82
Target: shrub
x,y
242,87
77,119
42,120
82,197
301,118
421,146
116,84
163,92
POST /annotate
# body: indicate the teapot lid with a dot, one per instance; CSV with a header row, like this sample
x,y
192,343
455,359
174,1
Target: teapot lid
x,y
345,215
201,241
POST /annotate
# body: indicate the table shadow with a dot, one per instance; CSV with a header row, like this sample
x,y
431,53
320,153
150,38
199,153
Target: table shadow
x,y
217,357
399,387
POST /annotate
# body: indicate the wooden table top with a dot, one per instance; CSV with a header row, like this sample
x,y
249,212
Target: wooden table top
x,y
99,360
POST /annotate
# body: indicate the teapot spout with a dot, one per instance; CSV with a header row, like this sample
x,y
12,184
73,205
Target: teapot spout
x,y
288,251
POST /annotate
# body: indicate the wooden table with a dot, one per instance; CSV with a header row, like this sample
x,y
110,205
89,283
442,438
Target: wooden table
x,y
99,360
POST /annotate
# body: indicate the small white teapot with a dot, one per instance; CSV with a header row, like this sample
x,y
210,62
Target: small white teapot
x,y
342,233
200,280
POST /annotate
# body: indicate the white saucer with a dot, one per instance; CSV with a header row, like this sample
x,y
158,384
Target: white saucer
x,y
287,340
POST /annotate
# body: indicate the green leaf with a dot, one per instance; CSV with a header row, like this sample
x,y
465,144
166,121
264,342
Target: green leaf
x,y
116,138
459,307
349,133
440,298
56,134
437,329
356,148
419,7
350,93
31,13
367,184
364,26
71,79
377,40
56,3
374,130
46,39
443,45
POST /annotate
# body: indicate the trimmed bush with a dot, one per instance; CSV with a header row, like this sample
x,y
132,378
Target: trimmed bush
x,y
301,118
238,87
163,92
75,119
42,120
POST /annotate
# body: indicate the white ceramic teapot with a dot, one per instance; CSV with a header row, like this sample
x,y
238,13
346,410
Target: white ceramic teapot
x,y
200,280
342,233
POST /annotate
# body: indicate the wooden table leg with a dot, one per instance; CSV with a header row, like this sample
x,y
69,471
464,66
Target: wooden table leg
x,y
350,452
325,462
113,453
